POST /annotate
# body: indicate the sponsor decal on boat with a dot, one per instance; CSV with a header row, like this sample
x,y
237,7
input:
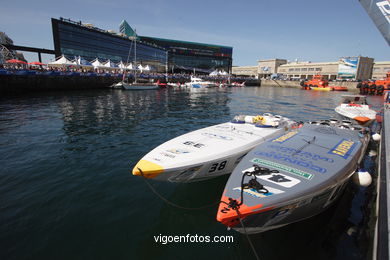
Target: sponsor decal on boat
x,y
178,151
256,194
194,144
285,137
296,152
343,149
167,155
284,168
211,135
293,160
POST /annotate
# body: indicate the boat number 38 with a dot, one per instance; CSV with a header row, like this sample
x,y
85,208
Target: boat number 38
x,y
218,166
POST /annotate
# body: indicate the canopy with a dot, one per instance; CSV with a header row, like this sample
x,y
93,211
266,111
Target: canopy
x,y
140,67
62,61
218,72
16,61
82,62
147,68
130,66
121,65
214,73
110,64
37,63
97,64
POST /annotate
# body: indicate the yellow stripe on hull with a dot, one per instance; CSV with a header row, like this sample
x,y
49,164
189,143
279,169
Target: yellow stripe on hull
x,y
149,169
321,89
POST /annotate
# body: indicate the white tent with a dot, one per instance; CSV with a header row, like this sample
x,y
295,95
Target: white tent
x,y
110,64
130,66
140,67
121,65
147,68
222,72
214,73
82,62
62,61
97,64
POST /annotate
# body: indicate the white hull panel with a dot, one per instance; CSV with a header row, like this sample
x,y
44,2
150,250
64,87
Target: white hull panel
x,y
205,153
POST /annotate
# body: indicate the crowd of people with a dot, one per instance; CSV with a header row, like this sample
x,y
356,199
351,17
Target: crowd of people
x,y
91,71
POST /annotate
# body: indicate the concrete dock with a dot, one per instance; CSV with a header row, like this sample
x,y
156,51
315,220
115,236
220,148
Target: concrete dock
x,y
382,234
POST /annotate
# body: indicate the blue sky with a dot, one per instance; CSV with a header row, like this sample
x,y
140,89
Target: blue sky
x,y
256,29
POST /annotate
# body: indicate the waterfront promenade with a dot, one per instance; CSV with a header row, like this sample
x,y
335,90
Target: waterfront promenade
x,y
25,80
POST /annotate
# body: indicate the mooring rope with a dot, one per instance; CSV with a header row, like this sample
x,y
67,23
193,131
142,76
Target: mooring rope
x,y
170,202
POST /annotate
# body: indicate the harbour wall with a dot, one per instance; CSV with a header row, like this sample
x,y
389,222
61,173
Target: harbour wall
x,y
295,84
33,83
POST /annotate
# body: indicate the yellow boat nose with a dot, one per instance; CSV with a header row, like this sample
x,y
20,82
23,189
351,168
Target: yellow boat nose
x,y
149,169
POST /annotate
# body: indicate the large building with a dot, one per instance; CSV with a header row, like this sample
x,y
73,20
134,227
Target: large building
x,y
82,39
354,68
187,55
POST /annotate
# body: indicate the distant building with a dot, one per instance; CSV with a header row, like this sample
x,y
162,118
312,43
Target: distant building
x,y
245,71
81,39
380,69
354,68
268,67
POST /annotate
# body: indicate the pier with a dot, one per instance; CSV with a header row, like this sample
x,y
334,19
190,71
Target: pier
x,y
382,235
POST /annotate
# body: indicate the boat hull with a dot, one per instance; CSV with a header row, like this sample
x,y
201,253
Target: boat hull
x,y
321,89
299,175
362,115
205,153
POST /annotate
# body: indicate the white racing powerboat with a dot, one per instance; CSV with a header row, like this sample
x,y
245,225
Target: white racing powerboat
x,y
210,152
292,177
200,83
355,107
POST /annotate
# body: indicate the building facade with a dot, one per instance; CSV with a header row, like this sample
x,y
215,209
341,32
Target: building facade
x,y
381,68
245,71
81,39
353,68
77,39
268,67
183,54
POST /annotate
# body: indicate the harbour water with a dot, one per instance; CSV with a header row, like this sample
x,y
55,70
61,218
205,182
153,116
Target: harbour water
x,y
66,189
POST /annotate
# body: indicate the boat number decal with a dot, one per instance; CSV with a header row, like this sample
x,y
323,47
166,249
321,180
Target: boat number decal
x,y
343,149
280,179
211,135
177,151
254,193
218,166
285,137
284,168
197,145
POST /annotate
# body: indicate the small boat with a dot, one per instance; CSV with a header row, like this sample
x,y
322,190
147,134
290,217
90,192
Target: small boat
x,y
292,177
200,83
339,88
355,107
321,88
139,85
318,83
210,152
237,84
